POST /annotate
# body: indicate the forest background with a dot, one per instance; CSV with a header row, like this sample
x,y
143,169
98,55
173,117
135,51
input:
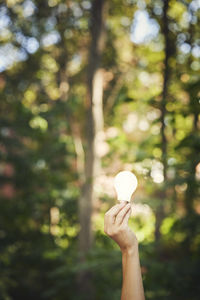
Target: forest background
x,y
89,88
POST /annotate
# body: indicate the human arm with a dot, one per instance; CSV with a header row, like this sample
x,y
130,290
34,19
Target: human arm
x,y
116,227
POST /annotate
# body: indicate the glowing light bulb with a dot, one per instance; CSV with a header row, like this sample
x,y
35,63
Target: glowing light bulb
x,y
125,184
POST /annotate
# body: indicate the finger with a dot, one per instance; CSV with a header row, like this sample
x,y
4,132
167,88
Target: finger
x,y
113,211
120,216
126,218
111,214
122,201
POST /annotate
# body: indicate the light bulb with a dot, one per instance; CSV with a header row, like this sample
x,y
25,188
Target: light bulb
x,y
125,184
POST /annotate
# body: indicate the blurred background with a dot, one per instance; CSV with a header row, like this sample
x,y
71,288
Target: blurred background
x,y
90,88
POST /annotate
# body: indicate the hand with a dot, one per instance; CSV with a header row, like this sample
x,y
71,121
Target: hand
x,y
116,226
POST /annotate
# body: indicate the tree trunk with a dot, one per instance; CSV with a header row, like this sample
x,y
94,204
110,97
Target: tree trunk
x,y
94,125
165,30
192,188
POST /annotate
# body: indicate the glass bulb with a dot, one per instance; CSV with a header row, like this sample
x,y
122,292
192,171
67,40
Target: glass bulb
x,y
125,184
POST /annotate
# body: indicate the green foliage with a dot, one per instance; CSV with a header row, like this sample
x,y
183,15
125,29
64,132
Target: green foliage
x,y
44,54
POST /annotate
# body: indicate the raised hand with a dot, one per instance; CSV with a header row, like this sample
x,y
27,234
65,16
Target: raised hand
x,y
116,226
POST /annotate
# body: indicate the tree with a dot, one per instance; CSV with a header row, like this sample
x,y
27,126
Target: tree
x,y
94,127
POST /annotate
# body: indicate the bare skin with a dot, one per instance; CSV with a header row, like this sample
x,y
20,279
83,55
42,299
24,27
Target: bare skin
x,y
116,227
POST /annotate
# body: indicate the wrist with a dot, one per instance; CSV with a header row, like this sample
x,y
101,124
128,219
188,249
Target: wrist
x,y
130,251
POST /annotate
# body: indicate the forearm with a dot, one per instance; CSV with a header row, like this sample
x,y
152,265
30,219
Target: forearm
x,y
132,287
116,226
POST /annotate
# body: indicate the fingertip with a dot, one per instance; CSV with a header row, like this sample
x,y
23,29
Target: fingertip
x,y
122,203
